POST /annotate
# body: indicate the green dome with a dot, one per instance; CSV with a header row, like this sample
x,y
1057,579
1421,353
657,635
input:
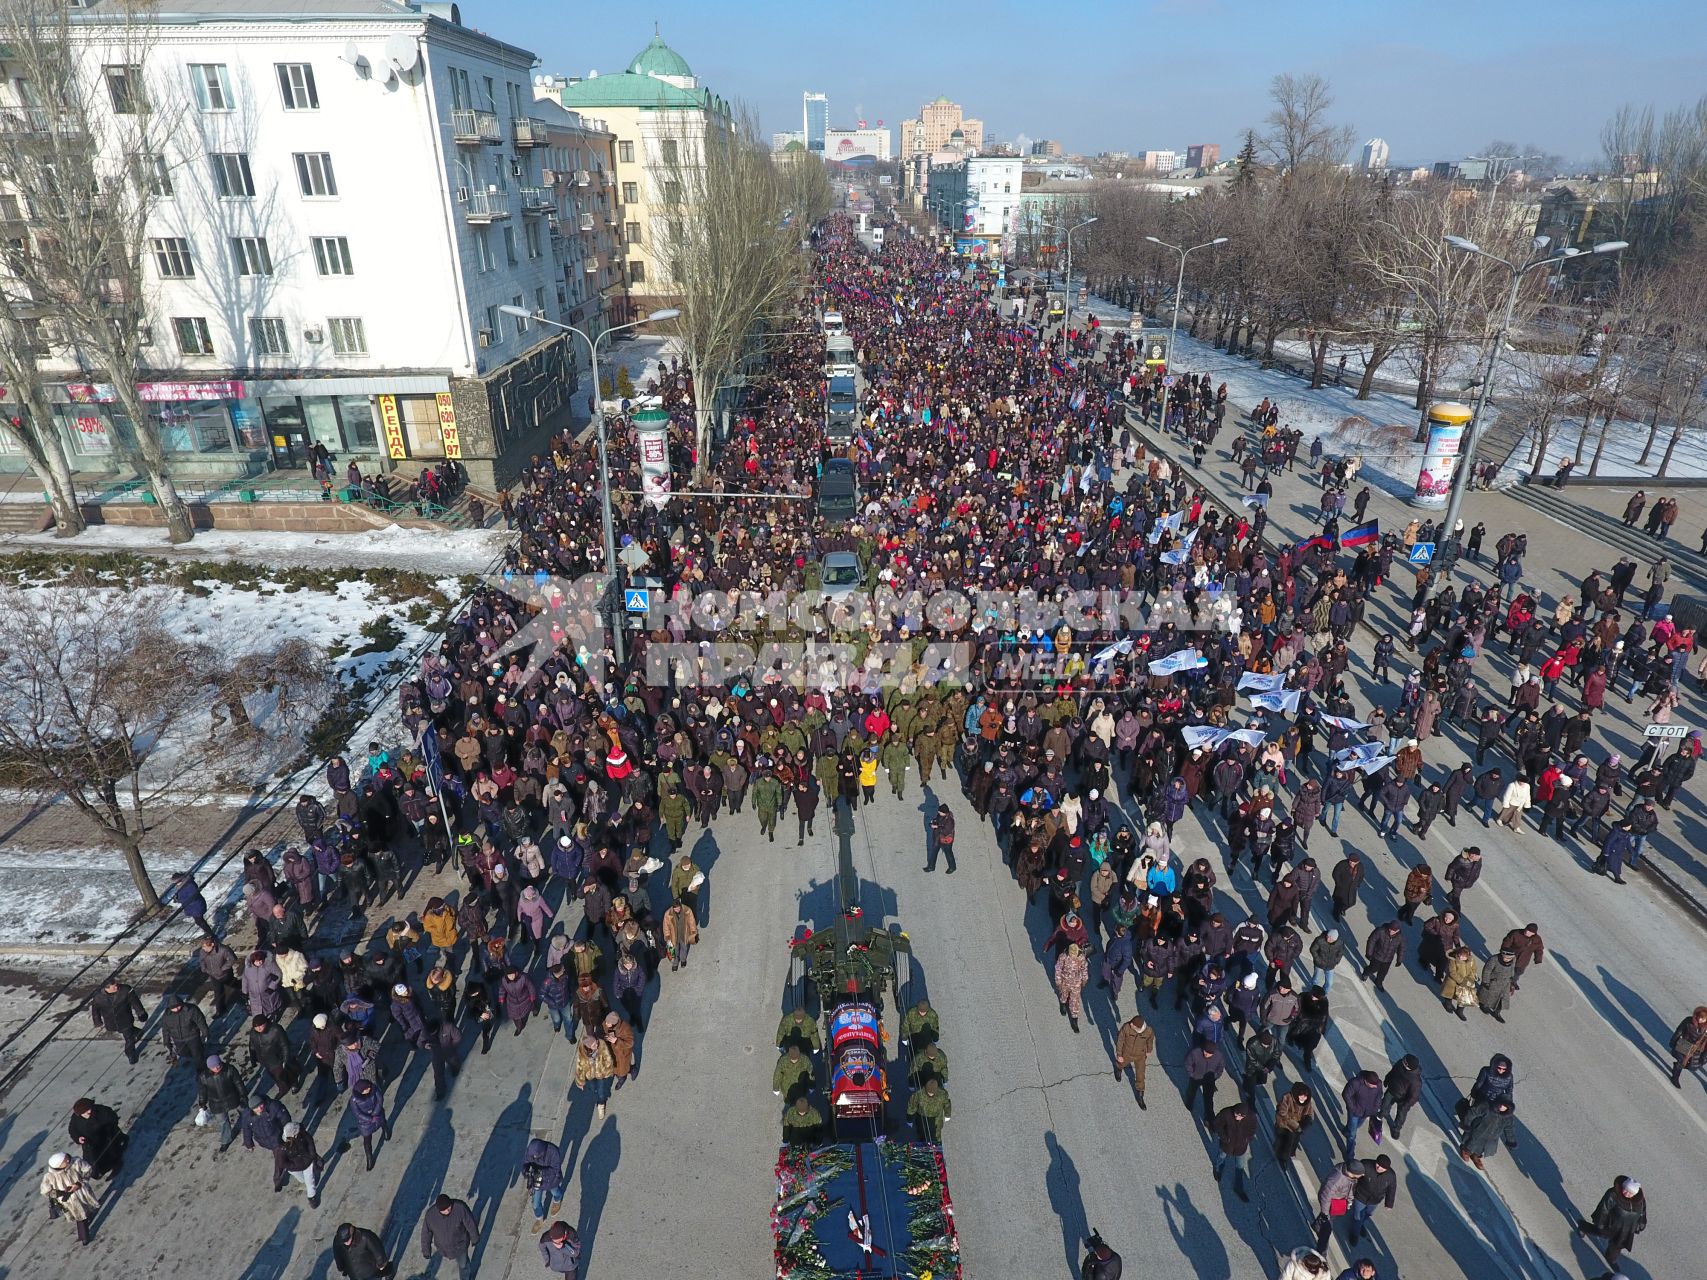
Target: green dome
x,y
658,59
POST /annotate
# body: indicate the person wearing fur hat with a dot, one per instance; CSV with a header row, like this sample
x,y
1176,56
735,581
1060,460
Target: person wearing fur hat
x,y
68,1186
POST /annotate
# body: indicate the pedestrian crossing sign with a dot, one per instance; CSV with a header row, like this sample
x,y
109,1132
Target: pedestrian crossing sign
x,y
1422,552
637,599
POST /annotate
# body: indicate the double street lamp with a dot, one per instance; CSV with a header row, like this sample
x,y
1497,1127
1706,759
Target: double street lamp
x,y
537,317
1179,287
1517,270
1067,281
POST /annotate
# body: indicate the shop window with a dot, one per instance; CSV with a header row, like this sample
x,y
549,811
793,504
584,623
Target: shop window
x,y
195,426
421,426
356,415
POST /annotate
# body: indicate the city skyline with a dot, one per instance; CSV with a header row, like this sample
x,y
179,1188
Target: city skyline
x,y
1096,89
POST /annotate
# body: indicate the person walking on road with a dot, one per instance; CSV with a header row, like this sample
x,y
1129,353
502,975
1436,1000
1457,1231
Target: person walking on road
x,y
117,1010
184,1029
448,1229
1295,1113
1458,987
1133,1046
1333,1200
1071,974
1378,1187
367,1110
1234,1128
542,1175
295,1157
1401,1091
1486,1126
1689,1045
1499,978
1362,1099
1619,1218
560,1249
68,1186
359,1254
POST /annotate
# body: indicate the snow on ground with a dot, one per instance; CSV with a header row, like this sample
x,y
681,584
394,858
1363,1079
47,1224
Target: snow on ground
x,y
448,551
71,896
1621,458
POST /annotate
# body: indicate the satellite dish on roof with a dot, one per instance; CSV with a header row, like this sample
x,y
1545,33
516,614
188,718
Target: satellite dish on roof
x,y
401,53
354,56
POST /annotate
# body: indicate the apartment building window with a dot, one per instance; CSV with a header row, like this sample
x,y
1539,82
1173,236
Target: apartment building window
x,y
539,299
493,326
314,174
483,250
332,256
667,149
251,255
633,233
212,86
231,175
672,192
630,192
637,272
124,88
625,152
510,245
533,238
172,258
296,86
349,335
193,336
270,336
523,324
153,174
460,98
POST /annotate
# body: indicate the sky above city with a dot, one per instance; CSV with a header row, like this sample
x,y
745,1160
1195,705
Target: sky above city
x,y
1437,79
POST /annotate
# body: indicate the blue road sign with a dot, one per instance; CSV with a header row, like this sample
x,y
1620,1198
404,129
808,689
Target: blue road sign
x,y
1422,552
637,600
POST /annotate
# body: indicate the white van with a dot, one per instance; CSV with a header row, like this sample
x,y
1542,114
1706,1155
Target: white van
x,y
833,325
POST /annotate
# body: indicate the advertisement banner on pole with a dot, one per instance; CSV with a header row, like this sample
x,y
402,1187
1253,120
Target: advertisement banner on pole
x,y
1446,427
652,436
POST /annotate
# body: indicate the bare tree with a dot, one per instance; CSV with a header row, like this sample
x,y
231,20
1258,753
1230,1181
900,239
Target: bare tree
x,y
31,425
1299,131
87,155
729,251
100,698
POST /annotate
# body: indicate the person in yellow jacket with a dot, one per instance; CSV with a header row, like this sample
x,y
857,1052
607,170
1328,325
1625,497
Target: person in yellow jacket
x,y
868,774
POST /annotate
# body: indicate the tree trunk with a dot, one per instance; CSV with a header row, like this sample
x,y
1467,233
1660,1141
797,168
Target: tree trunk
x,y
46,457
149,457
1600,444
1543,437
1318,362
704,393
1653,433
1671,447
130,845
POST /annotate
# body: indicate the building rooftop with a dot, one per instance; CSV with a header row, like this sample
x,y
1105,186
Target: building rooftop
x,y
658,59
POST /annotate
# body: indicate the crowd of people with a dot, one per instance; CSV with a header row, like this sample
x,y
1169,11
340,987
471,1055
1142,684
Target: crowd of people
x,y
527,855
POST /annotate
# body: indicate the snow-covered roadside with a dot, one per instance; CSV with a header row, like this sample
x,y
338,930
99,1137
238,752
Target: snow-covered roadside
x,y
67,897
448,551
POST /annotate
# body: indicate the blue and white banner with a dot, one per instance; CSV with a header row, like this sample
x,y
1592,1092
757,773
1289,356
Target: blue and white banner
x,y
1179,553
1255,500
1354,756
1205,735
1255,737
1343,722
1118,648
1284,701
1167,524
1376,763
1182,660
1273,683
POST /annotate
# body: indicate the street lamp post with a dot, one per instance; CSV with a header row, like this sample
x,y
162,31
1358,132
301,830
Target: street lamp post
x,y
669,313
1067,283
1467,456
1179,287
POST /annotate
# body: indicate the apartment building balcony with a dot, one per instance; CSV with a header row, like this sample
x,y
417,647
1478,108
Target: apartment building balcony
x,y
528,131
484,207
475,128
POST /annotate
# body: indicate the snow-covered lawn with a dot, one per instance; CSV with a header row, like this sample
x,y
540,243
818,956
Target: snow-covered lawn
x,y
66,897
446,551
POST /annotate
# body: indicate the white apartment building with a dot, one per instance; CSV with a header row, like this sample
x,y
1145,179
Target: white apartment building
x,y
978,198
351,192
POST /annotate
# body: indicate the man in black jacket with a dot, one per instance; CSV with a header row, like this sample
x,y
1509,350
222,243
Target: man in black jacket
x,y
1378,1186
184,1028
1234,1127
1401,1090
359,1254
449,1229
1101,1262
116,1008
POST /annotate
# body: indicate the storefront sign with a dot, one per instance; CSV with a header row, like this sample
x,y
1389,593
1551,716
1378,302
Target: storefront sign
x,y
392,423
652,435
447,426
157,392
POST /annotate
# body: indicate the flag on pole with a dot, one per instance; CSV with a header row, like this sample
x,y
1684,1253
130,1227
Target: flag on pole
x,y
1255,500
1316,540
1343,722
1282,700
1255,737
1262,683
1119,647
1362,535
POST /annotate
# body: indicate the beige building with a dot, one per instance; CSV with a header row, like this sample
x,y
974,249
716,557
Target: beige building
x,y
649,109
936,126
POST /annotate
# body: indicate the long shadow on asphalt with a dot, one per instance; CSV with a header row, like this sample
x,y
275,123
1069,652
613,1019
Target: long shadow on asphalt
x,y
272,1259
499,1165
1195,1236
603,1154
1062,1181
1616,1003
166,1106
427,1166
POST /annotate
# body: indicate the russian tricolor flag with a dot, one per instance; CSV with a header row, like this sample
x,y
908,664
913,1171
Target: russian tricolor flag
x,y
1362,535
